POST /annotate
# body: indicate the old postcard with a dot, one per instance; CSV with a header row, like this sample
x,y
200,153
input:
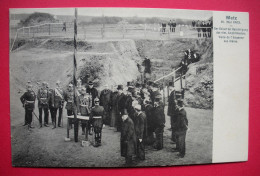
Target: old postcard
x,y
128,87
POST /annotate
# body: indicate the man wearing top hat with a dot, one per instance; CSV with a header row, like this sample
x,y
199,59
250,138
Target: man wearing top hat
x,y
92,91
172,109
97,115
120,107
140,131
28,101
128,138
105,100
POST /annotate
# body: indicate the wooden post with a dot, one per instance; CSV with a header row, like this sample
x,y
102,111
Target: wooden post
x,y
123,30
163,90
49,29
76,124
181,79
145,30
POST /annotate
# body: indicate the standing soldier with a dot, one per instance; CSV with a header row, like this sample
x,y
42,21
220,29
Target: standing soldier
x,y
140,131
28,101
97,115
43,100
128,138
174,25
57,103
85,107
70,105
209,25
105,101
181,128
172,110
92,91
159,119
170,25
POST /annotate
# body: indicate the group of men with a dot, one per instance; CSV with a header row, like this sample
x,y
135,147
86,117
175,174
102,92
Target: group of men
x,y
136,111
204,27
172,25
190,56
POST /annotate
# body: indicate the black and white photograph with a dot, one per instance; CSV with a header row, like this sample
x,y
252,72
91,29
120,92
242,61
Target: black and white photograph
x,y
111,87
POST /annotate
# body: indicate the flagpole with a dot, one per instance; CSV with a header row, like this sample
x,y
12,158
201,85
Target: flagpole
x,y
74,76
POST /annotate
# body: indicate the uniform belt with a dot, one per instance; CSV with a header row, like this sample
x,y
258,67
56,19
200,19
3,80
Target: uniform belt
x,y
84,105
30,101
43,98
97,117
69,101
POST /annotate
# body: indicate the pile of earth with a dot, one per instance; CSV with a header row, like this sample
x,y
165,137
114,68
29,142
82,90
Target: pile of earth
x,y
105,62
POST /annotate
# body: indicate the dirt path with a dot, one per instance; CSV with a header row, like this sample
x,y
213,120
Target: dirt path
x,y
46,147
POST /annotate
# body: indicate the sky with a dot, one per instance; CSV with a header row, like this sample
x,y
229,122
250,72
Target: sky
x,y
121,12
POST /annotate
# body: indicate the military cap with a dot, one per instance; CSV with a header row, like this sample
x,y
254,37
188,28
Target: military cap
x,y
157,99
90,83
155,85
180,102
70,85
130,89
171,84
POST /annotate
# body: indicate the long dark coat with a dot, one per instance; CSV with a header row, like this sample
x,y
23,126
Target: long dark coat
x,y
140,125
171,104
182,122
105,99
158,116
128,138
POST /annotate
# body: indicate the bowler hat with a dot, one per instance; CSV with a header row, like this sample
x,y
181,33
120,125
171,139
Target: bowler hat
x,y
120,87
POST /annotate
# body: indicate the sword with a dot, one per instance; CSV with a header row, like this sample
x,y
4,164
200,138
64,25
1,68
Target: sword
x,y
36,116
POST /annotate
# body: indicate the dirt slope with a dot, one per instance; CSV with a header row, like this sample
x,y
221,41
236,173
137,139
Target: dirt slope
x,y
108,62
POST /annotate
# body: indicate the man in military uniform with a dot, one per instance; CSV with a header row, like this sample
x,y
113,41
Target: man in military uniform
x,y
28,101
43,103
97,115
140,131
128,138
72,107
57,103
172,109
85,107
159,119
92,91
181,128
